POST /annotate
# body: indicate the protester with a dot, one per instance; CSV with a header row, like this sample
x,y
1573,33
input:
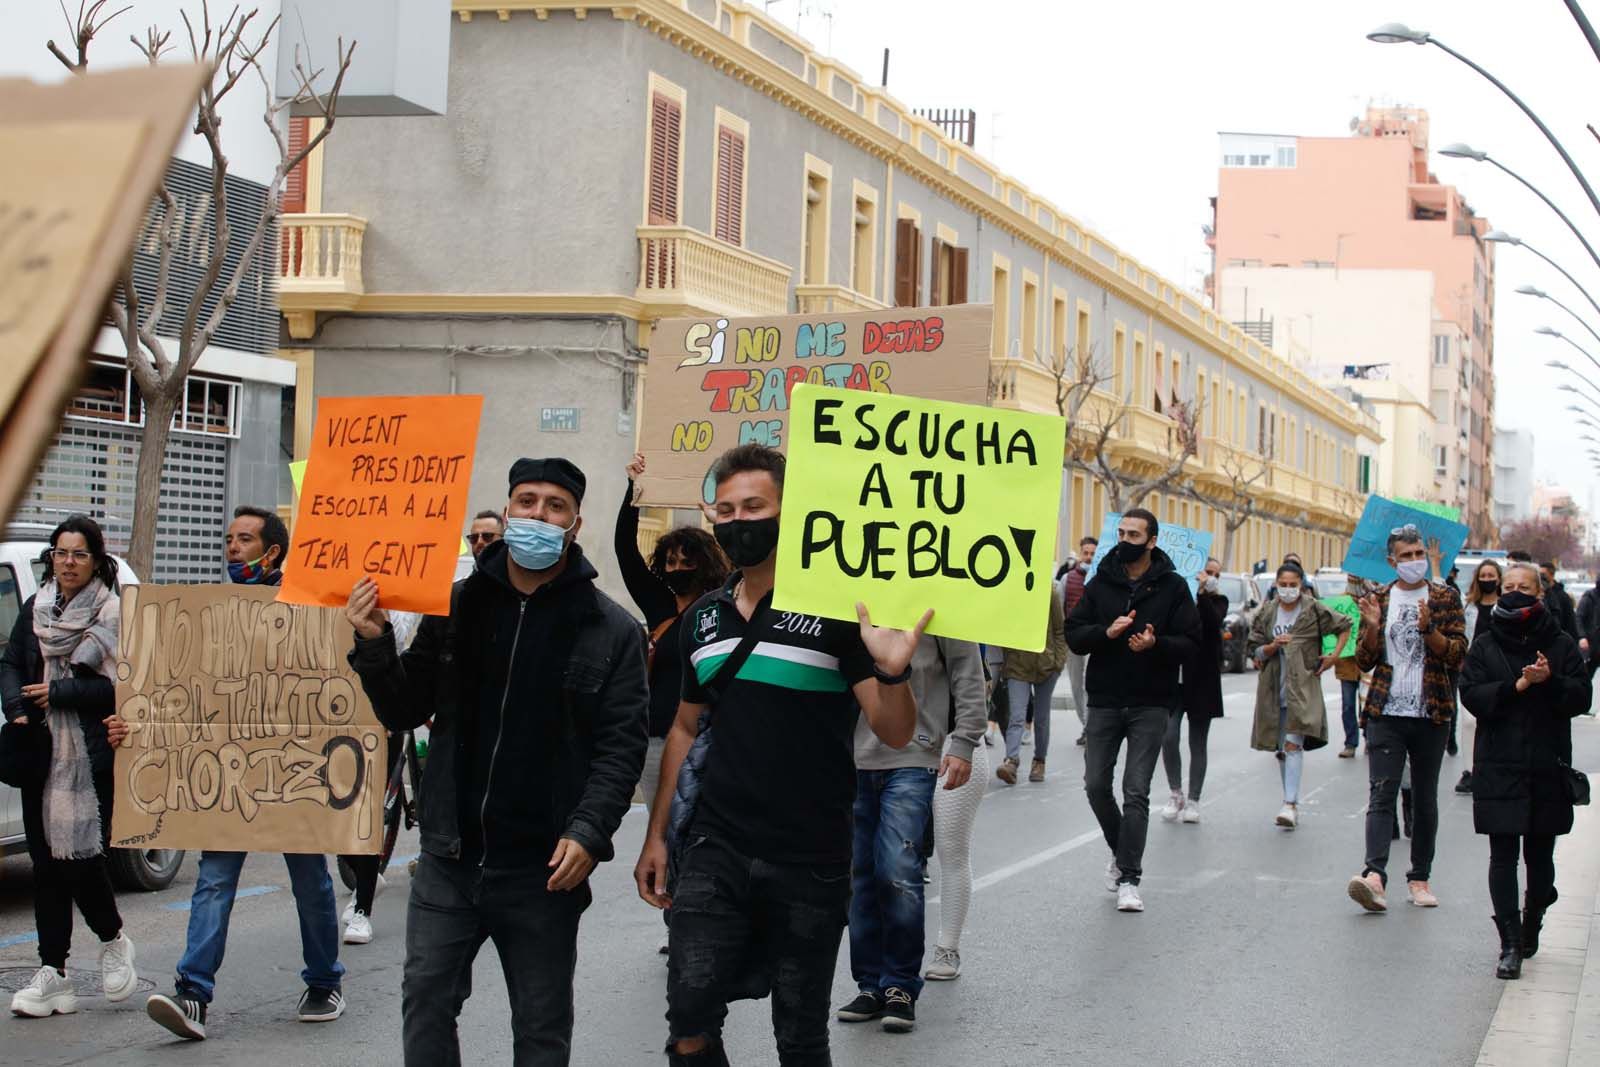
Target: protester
x,y
893,807
1138,624
1201,688
535,677
955,811
762,881
487,528
1588,617
58,686
1076,573
256,543
1032,676
1559,601
1482,596
1349,674
1291,559
1524,682
1286,642
1413,640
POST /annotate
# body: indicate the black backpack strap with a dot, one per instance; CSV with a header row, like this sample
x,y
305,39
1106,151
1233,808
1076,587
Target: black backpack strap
x,y
730,666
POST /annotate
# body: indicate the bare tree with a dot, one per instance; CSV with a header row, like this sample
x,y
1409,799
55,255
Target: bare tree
x,y
232,50
1237,504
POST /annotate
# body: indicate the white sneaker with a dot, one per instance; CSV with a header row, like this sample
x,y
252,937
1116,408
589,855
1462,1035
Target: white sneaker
x,y
946,965
1113,875
1128,898
48,994
1191,811
1287,818
358,931
117,976
349,911
1174,807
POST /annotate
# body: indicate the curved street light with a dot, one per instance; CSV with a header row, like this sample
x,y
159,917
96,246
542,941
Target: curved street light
x,y
1502,237
1545,331
1462,151
1530,290
1399,33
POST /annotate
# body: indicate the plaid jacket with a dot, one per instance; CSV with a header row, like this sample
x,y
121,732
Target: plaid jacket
x,y
1438,671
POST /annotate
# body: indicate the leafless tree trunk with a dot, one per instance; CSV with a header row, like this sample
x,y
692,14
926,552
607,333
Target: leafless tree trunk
x,y
232,50
1238,505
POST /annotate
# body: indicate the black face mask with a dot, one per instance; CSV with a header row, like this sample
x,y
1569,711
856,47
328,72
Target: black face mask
x,y
748,542
1488,585
1129,553
1513,603
681,581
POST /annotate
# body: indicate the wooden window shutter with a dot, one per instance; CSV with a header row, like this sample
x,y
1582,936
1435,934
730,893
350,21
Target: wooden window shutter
x,y
907,263
938,285
729,223
294,183
958,275
666,130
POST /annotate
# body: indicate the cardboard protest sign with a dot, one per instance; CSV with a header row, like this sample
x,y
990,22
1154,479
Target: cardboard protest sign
x,y
384,492
79,162
715,383
1345,605
1368,555
1443,511
248,729
1188,548
908,504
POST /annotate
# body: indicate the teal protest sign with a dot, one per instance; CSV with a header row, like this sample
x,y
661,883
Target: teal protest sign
x,y
1189,549
1368,556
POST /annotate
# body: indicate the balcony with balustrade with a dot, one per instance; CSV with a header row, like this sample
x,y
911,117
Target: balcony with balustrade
x,y
833,300
319,267
685,272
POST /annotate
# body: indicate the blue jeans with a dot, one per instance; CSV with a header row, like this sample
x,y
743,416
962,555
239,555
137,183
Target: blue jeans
x,y
1018,693
212,905
1294,759
1352,732
892,812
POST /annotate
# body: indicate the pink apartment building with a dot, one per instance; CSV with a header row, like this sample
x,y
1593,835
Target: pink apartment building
x,y
1369,201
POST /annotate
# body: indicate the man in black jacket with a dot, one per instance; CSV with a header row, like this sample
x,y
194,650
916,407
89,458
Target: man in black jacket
x,y
1588,624
535,683
1559,601
1137,624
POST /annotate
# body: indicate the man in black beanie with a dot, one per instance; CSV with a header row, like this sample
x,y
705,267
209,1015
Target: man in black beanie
x,y
536,686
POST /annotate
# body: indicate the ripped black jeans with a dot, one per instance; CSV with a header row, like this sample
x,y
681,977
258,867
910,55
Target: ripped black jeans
x,y
744,926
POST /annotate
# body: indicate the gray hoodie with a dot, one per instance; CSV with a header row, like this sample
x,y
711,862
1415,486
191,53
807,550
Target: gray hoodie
x,y
943,671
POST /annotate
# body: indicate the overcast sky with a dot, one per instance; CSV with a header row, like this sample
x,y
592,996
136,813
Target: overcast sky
x,y
1111,110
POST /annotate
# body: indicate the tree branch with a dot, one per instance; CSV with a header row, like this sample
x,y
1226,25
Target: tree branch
x,y
84,29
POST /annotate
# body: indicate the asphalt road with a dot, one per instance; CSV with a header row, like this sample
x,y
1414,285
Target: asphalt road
x,y
1249,952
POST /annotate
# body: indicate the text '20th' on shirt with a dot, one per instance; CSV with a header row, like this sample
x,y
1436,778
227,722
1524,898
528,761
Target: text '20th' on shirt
x,y
1405,646
779,780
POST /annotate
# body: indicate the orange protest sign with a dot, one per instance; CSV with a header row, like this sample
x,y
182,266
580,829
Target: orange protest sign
x,y
384,491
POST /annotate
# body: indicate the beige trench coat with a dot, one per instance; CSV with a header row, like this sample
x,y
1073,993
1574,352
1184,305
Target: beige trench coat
x,y
1307,713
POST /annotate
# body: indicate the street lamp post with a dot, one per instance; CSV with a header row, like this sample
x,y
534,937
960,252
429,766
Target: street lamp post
x,y
1529,290
1462,151
1546,331
1399,33
1502,237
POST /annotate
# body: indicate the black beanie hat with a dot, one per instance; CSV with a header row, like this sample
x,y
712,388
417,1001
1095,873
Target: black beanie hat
x,y
556,471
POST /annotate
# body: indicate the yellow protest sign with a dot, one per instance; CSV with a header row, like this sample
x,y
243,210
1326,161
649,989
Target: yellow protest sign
x,y
908,504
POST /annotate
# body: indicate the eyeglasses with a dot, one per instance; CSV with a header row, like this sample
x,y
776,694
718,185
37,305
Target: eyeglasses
x,y
1409,527
486,538
76,555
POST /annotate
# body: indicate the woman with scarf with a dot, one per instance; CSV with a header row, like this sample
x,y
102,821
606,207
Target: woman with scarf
x,y
1524,681
57,687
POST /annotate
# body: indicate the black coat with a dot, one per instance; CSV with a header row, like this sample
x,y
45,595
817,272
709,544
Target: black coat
x,y
1117,676
1202,675
1560,604
1517,784
89,693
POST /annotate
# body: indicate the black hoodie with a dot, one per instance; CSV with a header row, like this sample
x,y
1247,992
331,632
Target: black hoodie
x,y
1119,677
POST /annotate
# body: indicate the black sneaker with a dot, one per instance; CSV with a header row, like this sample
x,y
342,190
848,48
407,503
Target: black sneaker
x,y
321,1005
899,1011
863,1009
1464,786
184,1016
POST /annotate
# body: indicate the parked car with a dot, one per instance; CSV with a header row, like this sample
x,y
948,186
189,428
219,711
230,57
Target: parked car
x,y
1331,582
21,570
1243,601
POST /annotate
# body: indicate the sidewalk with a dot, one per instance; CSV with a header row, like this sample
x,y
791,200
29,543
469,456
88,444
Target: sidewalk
x,y
1551,1016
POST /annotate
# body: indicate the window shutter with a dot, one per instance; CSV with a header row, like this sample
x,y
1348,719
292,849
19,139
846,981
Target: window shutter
x,y
939,283
729,223
958,275
907,263
294,183
666,129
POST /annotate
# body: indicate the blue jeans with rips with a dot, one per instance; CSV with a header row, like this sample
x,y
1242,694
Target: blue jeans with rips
x,y
887,923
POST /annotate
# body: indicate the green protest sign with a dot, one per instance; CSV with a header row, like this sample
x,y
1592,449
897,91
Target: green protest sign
x,y
1344,604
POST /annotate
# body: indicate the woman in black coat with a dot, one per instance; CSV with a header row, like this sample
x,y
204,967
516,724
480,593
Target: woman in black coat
x,y
1201,702
1524,681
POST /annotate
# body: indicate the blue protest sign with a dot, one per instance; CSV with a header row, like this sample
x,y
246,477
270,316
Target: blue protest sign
x,y
1189,549
1368,556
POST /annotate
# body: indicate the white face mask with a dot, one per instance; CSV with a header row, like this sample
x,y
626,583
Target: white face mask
x,y
1210,585
1412,571
1288,593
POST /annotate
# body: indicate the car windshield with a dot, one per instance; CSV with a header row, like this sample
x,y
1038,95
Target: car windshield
x,y
1329,585
1232,588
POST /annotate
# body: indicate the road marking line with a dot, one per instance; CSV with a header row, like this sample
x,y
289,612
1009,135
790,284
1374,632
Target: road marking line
x,y
999,875
17,939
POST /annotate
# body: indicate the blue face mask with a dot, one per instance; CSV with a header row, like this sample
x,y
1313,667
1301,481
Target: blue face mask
x,y
535,545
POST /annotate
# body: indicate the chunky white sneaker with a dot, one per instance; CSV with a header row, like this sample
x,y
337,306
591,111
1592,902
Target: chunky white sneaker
x,y
117,976
1174,807
349,911
1128,898
1191,811
1113,875
1287,817
50,993
946,965
358,931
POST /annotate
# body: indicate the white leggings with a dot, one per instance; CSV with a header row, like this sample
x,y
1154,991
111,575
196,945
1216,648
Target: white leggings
x,y
954,813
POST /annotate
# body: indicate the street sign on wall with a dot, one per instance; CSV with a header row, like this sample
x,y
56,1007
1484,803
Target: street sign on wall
x,y
558,420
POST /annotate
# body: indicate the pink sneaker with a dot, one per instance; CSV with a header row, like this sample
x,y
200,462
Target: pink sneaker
x,y
1367,891
1421,895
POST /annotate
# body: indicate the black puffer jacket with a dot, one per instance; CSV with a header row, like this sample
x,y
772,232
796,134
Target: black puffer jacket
x,y
1119,677
91,694
560,674
1516,778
